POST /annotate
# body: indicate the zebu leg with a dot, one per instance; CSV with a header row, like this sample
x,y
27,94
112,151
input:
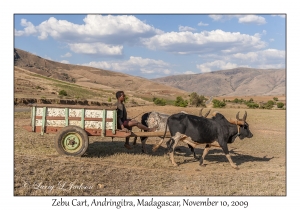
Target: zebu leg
x,y
225,149
143,140
156,146
174,141
193,151
206,150
191,145
134,140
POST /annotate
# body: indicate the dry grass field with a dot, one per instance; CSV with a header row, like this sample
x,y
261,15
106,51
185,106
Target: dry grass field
x,y
109,169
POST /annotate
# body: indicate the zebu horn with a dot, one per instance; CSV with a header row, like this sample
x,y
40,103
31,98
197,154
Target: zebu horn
x,y
200,112
207,114
245,116
237,116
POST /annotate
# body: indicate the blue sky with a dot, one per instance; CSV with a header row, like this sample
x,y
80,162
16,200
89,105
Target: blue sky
x,y
153,46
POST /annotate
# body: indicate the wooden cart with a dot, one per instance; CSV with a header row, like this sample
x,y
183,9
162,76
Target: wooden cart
x,y
72,125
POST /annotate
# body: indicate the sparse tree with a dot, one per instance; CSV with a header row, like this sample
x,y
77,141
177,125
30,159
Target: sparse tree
x,y
196,100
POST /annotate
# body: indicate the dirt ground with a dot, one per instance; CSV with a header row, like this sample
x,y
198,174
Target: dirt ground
x,y
109,169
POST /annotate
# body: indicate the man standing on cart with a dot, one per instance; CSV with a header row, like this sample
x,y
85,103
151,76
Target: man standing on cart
x,y
123,122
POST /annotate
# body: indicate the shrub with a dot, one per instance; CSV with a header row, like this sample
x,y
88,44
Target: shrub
x,y
109,99
252,105
235,100
159,101
180,102
280,105
218,104
275,99
268,105
126,98
133,101
239,101
62,93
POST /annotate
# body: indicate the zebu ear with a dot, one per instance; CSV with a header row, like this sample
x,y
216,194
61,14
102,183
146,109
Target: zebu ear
x,y
215,113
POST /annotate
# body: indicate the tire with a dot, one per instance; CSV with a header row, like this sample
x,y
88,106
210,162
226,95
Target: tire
x,y
72,141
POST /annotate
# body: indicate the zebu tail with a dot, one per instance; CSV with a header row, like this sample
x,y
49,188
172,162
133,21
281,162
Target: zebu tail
x,y
166,128
156,146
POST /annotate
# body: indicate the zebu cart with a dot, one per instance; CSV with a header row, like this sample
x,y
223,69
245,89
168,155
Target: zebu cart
x,y
73,124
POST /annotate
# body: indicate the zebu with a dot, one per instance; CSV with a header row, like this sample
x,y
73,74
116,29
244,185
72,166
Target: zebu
x,y
152,119
217,132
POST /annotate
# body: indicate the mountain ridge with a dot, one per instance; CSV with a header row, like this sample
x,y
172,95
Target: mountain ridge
x,y
233,82
238,81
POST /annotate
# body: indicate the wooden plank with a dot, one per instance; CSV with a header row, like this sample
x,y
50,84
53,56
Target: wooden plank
x,y
108,133
103,123
90,132
114,122
66,116
112,107
33,118
44,120
82,119
150,134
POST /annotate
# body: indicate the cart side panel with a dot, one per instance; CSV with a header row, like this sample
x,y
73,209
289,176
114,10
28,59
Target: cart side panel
x,y
45,119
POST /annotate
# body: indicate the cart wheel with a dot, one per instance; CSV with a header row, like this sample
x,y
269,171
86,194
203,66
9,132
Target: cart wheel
x,y
71,140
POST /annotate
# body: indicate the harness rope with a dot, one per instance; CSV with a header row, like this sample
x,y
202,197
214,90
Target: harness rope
x,y
138,115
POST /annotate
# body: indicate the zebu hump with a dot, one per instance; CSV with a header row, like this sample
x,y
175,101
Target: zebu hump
x,y
157,119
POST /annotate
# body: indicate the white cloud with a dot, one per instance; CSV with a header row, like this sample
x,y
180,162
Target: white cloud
x,y
264,32
96,48
282,16
67,55
204,42
186,28
259,20
167,71
28,30
202,24
216,17
65,61
269,58
189,72
271,66
137,64
86,38
249,57
264,56
252,19
216,65
96,28
47,57
271,40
